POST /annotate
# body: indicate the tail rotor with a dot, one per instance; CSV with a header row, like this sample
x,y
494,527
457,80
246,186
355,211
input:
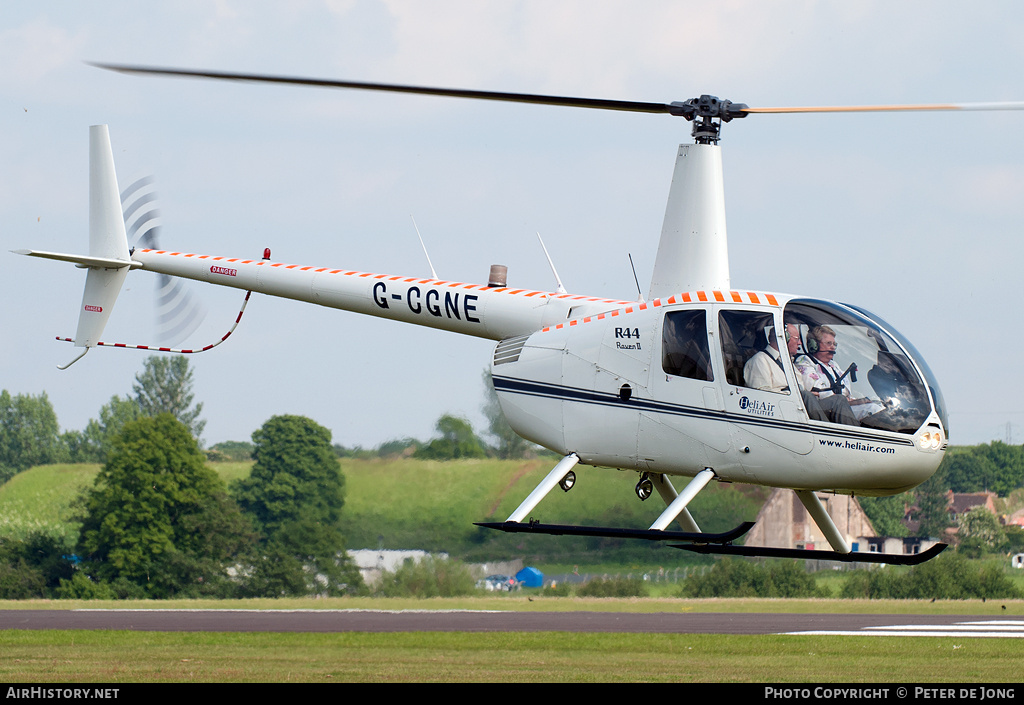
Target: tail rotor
x,y
179,314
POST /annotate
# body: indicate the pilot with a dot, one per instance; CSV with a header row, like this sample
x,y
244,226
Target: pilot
x,y
764,370
822,378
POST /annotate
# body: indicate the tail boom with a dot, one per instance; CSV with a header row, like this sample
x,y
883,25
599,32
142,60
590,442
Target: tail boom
x,y
495,313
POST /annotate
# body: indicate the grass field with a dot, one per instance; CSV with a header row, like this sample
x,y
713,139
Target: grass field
x,y
407,503
146,657
401,501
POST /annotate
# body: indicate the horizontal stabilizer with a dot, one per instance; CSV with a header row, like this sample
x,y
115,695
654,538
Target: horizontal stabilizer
x,y
82,260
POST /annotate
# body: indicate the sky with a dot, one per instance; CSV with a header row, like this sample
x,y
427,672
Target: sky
x,y
915,217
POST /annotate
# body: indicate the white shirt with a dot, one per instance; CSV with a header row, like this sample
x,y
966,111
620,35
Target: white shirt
x,y
814,377
764,371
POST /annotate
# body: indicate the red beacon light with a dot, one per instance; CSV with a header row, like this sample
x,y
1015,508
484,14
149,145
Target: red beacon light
x,y
266,253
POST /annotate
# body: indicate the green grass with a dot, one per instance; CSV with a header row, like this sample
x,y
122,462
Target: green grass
x,y
40,500
145,657
408,503
411,503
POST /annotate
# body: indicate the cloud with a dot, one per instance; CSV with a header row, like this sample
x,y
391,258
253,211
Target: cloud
x,y
31,52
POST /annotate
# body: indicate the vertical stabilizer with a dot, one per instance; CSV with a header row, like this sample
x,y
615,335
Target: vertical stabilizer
x,y
107,240
693,253
106,222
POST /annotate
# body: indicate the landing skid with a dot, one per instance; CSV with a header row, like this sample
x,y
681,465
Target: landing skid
x,y
808,554
611,532
697,541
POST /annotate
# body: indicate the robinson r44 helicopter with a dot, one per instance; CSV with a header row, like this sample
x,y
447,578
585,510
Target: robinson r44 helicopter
x,y
698,380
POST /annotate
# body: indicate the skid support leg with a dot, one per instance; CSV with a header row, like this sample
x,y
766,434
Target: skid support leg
x,y
669,494
828,527
678,505
547,484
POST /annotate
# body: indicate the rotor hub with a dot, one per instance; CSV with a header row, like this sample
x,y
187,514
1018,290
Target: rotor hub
x,y
707,113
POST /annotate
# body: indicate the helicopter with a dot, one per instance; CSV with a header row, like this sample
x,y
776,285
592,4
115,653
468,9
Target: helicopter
x,y
697,380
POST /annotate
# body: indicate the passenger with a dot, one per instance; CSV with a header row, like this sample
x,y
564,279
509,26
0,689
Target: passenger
x,y
765,370
792,340
823,379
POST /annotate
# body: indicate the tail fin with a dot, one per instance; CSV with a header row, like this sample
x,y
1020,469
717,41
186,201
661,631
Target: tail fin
x,y
107,240
108,261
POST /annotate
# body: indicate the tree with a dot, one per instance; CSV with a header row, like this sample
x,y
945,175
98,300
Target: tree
x,y
1008,464
886,514
29,434
157,521
995,467
430,577
508,443
91,445
32,567
979,531
165,386
237,451
933,504
457,441
738,578
294,495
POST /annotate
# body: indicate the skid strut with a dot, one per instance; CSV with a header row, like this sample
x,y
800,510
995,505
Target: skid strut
x,y
678,505
676,509
669,494
828,527
541,491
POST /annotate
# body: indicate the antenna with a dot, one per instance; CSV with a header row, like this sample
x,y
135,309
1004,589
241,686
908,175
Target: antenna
x,y
425,254
633,267
560,289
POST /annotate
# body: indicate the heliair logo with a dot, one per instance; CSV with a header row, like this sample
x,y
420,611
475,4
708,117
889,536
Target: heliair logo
x,y
757,408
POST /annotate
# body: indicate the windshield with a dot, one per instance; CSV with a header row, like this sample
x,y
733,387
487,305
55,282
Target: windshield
x,y
933,384
852,371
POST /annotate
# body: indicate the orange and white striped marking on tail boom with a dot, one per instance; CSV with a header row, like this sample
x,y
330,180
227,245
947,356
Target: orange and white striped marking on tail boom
x,y
713,296
479,310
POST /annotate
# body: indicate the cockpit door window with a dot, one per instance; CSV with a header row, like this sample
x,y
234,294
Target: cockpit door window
x,y
684,345
751,351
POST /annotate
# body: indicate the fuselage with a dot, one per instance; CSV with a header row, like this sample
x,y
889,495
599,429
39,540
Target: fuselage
x,y
668,387
662,386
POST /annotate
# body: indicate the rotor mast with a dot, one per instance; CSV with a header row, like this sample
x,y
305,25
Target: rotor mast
x,y
693,253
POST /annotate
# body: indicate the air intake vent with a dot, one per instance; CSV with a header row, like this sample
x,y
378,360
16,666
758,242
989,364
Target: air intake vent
x,y
508,350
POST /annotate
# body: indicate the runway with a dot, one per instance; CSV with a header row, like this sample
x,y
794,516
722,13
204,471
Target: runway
x,y
326,621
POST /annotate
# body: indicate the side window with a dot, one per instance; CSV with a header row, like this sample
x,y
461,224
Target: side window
x,y
750,351
684,345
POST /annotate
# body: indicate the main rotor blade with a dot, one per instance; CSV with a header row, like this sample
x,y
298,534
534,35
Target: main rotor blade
x,y
892,108
687,109
597,103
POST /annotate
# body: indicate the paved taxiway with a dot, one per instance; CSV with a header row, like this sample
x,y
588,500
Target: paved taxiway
x,y
494,621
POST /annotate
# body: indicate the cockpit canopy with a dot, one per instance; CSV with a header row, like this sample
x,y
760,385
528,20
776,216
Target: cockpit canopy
x,y
855,353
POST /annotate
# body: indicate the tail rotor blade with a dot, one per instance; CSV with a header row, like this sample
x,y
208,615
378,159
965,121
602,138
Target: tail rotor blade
x,y
179,314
